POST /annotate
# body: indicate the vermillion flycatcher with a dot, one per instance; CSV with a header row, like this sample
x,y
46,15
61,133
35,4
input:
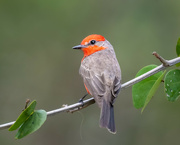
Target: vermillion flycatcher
x,y
101,74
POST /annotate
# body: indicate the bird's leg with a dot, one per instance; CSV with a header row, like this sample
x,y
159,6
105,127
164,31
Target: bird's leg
x,y
81,100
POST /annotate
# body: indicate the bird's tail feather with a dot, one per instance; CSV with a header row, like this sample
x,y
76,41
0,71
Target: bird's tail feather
x,y
107,116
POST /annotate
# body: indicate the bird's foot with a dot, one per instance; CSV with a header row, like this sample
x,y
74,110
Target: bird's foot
x,y
82,100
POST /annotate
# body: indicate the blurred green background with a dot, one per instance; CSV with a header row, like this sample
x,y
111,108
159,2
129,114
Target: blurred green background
x,y
37,62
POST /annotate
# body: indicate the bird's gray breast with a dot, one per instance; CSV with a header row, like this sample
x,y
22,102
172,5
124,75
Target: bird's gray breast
x,y
101,63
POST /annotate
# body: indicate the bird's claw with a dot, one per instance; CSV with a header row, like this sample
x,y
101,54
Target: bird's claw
x,y
82,100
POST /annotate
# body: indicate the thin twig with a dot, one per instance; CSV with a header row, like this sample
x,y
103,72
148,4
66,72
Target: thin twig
x,y
164,62
79,105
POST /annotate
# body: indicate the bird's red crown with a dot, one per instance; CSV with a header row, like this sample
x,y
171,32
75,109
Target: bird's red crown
x,y
92,37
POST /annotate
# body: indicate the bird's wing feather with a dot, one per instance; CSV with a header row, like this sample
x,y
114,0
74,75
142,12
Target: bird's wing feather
x,y
117,87
94,82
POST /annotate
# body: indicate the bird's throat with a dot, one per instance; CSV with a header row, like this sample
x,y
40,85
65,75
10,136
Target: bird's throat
x,y
92,49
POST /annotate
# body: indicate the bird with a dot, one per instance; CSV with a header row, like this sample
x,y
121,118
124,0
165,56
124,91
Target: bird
x,y
101,75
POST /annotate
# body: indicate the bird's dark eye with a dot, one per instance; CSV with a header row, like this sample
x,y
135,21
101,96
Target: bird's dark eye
x,y
92,41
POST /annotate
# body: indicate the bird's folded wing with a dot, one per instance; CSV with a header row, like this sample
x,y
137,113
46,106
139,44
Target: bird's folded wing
x,y
95,83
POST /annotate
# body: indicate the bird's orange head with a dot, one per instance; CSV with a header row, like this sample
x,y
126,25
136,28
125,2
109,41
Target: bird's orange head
x,y
91,44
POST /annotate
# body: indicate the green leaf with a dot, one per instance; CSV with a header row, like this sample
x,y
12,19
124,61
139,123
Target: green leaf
x,y
143,91
178,64
33,123
23,116
172,85
178,47
178,50
153,90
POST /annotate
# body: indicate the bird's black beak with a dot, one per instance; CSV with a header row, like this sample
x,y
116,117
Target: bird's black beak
x,y
79,47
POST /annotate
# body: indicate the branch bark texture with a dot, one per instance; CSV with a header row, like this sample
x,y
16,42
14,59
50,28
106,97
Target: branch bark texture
x,y
77,106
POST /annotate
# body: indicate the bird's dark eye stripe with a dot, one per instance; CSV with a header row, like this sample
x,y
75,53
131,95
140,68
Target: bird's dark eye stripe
x,y
92,41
